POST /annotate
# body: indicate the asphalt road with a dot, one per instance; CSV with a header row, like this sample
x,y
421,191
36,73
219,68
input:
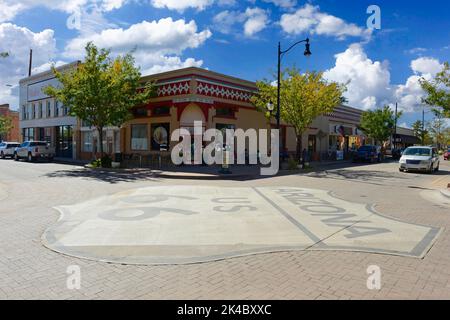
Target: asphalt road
x,y
30,191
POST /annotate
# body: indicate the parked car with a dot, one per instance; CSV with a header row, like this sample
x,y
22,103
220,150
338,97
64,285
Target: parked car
x,y
397,153
7,149
33,150
447,154
368,153
419,159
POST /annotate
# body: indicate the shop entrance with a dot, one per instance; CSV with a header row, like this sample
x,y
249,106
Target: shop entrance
x,y
191,114
64,141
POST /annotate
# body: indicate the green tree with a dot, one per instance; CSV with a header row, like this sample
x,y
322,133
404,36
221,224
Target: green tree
x,y
303,98
5,126
101,90
438,91
421,133
379,124
4,54
436,128
446,139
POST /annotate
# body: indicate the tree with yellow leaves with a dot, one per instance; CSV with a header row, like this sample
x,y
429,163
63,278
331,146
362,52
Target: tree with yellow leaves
x,y
304,97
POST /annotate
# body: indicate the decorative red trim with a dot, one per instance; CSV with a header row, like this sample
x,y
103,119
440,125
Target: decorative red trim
x,y
204,89
226,82
152,105
197,76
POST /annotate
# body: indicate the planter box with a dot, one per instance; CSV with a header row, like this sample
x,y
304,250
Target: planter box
x,y
115,165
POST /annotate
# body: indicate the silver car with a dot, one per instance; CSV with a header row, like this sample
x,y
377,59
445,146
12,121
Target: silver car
x,y
419,159
7,149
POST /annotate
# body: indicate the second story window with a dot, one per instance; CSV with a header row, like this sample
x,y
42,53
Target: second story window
x,y
161,111
224,112
40,110
33,111
56,113
24,113
48,110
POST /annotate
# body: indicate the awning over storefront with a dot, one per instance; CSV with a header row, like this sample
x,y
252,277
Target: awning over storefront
x,y
406,139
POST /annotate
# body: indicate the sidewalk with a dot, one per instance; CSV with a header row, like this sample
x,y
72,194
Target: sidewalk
x,y
237,171
70,161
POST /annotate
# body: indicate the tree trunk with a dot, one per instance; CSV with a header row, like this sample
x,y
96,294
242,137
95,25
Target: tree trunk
x,y
299,147
100,138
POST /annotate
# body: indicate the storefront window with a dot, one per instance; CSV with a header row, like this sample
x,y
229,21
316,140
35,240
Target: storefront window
x,y
333,143
28,134
160,135
139,140
48,135
312,143
64,141
87,142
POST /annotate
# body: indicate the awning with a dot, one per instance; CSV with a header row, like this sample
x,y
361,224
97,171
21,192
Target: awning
x,y
402,138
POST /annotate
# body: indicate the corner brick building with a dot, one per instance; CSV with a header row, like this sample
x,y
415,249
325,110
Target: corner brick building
x,y
13,134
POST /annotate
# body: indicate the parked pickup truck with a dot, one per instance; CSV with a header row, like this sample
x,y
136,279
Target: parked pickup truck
x,y
33,150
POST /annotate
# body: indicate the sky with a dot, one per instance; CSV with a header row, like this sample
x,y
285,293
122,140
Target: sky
x,y
381,65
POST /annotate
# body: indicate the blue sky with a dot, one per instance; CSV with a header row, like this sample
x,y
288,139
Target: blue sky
x,y
239,38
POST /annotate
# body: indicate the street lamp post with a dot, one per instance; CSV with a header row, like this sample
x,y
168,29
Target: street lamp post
x,y
307,53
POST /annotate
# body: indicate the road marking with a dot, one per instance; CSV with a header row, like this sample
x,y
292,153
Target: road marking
x,y
185,224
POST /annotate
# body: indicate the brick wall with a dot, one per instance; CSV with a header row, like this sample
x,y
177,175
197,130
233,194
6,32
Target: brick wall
x,y
14,134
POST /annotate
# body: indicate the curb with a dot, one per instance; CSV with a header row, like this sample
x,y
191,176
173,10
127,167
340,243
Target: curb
x,y
445,193
203,176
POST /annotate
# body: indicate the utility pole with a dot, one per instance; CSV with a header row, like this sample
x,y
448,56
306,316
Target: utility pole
x,y
423,126
395,125
30,62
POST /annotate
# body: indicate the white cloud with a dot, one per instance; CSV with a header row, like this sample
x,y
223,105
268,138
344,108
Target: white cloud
x,y
410,94
426,66
309,19
254,20
10,8
47,66
283,3
181,5
418,50
157,44
18,41
225,20
369,81
257,20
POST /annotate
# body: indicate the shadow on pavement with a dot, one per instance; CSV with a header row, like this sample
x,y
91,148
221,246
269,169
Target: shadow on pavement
x,y
109,176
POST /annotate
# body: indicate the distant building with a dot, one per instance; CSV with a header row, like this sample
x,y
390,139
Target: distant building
x,y
43,118
405,137
13,135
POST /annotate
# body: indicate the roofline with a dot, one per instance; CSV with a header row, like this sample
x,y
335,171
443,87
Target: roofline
x,y
200,72
49,71
353,108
